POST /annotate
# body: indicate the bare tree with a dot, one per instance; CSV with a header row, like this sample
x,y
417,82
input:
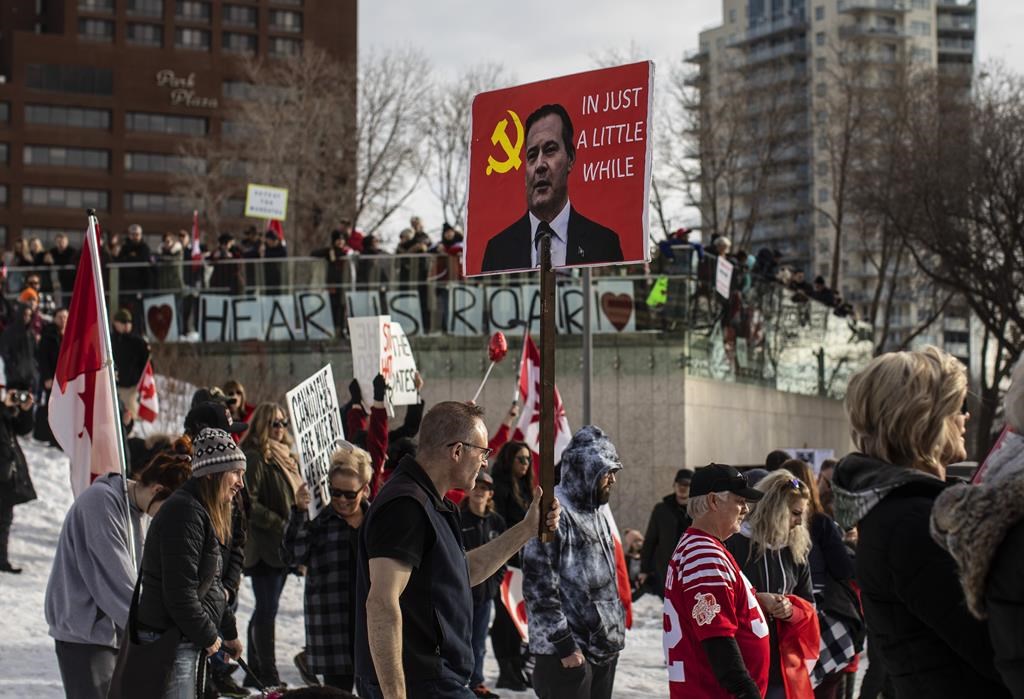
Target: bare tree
x,y
448,132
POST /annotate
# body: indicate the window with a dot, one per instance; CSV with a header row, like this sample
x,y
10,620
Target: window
x,y
819,12
239,90
822,219
59,156
285,21
239,43
819,38
192,10
921,4
162,162
822,143
66,198
822,196
153,203
146,8
921,28
95,5
821,89
819,65
4,153
233,130
822,168
3,202
76,117
284,47
145,34
84,80
96,29
293,3
732,16
820,116
5,111
240,16
198,39
166,123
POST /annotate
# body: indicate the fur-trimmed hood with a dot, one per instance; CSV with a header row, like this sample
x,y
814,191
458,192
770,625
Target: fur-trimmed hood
x,y
971,521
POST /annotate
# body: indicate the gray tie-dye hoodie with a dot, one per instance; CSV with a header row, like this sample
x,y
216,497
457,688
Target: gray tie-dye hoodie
x,y
569,584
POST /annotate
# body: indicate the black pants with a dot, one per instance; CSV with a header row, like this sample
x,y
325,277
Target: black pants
x,y
505,638
340,681
6,519
552,681
85,669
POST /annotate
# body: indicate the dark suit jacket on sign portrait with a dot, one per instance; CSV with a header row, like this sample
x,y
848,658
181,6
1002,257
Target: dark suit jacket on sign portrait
x,y
588,243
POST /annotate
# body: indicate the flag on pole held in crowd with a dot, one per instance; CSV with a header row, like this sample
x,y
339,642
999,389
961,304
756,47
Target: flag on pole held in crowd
x,y
278,230
197,248
82,415
512,597
528,431
149,402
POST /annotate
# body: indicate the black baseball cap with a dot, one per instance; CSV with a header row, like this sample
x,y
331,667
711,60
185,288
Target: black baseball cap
x,y
720,478
684,475
212,414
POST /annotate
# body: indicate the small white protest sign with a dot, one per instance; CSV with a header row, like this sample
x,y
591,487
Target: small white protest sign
x,y
402,374
723,276
316,426
264,201
366,335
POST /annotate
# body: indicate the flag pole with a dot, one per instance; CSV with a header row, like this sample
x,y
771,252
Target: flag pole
x,y
104,330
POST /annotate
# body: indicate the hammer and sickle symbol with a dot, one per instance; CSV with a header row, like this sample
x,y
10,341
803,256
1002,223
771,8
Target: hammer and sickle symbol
x,y
499,137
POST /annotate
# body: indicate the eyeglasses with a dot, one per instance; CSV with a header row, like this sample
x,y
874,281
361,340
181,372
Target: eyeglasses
x,y
523,459
347,494
279,423
486,450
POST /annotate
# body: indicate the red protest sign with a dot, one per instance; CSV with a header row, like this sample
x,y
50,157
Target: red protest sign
x,y
573,153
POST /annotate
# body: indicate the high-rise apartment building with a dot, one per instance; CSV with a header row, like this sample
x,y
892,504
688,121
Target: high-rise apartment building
x,y
96,97
768,78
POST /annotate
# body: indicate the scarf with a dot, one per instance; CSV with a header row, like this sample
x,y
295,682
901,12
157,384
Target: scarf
x,y
281,456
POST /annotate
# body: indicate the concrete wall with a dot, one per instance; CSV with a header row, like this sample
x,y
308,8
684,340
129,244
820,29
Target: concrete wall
x,y
659,418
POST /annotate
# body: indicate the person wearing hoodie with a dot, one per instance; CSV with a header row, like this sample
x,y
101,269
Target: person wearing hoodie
x,y
906,419
577,622
668,522
982,527
772,550
93,575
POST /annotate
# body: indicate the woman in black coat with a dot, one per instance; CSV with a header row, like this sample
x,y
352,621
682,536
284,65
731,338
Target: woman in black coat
x,y
15,481
513,491
181,589
905,411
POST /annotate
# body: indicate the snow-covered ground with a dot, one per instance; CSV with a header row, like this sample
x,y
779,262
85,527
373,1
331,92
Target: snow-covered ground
x,y
28,666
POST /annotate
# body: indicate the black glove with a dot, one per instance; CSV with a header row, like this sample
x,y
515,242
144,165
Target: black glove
x,y
354,392
380,388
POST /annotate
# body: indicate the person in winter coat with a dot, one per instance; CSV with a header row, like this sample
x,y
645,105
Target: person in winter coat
x,y
513,488
131,353
65,259
181,591
327,546
135,274
982,527
46,358
481,524
772,548
170,265
667,523
336,256
275,277
905,413
273,480
241,409
15,481
577,621
93,576
18,350
831,564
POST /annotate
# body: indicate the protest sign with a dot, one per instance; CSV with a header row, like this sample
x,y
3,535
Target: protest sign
x,y
161,318
723,276
402,370
316,426
380,346
365,338
263,201
305,315
597,155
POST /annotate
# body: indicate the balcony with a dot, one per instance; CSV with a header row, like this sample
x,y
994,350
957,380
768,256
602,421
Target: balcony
x,y
699,55
956,24
957,6
862,32
959,47
778,27
790,49
858,6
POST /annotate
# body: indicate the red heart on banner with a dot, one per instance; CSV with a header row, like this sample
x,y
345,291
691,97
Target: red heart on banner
x,y
618,308
159,319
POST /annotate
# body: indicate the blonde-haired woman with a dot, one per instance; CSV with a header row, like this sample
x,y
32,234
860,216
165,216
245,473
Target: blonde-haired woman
x,y
327,546
906,412
772,549
273,479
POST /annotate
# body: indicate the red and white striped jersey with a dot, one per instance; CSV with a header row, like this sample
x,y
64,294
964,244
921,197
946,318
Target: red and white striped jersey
x,y
707,596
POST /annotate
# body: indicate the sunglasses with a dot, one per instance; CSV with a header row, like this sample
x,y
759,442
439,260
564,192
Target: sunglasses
x,y
347,494
279,423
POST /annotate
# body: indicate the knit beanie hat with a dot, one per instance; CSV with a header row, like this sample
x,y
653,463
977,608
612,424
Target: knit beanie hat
x,y
213,451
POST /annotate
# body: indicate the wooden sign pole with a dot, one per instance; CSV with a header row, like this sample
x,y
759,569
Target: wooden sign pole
x,y
547,382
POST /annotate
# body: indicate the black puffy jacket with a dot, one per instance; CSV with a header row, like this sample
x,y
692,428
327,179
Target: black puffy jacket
x,y
668,522
912,597
182,557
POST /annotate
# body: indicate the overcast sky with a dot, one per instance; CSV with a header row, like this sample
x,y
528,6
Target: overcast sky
x,y
537,39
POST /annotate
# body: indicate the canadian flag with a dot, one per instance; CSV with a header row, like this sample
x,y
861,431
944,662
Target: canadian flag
x,y
149,402
278,230
528,431
512,597
82,416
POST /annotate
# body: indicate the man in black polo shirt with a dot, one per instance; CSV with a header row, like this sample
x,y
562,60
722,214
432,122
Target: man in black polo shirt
x,y
415,613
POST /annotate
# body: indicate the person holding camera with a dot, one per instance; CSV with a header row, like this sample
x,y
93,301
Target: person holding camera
x,y
15,481
240,408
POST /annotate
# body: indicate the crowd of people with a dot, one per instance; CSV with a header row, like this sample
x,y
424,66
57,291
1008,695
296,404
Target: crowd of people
x,y
774,580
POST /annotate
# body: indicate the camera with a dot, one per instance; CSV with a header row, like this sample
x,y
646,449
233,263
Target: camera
x,y
21,396
232,400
